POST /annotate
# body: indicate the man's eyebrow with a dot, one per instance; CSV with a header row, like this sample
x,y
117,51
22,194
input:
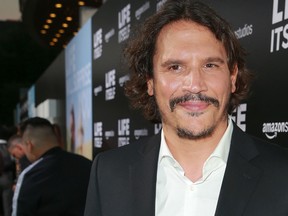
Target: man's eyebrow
x,y
179,62
215,59
171,62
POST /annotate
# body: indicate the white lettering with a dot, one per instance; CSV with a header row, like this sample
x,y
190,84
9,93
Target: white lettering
x,y
285,35
124,33
140,132
124,16
97,44
97,37
109,35
124,127
239,116
276,16
157,128
123,79
272,129
109,134
97,90
160,4
245,31
110,78
110,93
272,41
123,141
98,128
141,10
98,142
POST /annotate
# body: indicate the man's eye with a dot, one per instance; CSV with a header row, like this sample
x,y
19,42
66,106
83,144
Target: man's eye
x,y
175,67
210,65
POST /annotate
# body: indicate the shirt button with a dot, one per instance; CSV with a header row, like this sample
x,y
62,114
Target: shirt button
x,y
191,187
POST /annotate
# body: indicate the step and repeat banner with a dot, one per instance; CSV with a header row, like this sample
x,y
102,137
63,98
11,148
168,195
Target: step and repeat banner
x,y
261,27
98,116
114,124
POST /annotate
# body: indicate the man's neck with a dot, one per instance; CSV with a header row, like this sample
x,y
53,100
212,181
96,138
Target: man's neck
x,y
192,154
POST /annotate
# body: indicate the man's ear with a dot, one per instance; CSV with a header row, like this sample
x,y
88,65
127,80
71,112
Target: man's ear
x,y
233,77
150,87
30,145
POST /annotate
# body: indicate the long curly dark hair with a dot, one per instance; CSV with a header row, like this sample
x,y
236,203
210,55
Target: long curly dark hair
x,y
140,50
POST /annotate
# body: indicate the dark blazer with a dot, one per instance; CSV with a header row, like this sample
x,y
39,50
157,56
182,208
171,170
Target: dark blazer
x,y
56,186
123,181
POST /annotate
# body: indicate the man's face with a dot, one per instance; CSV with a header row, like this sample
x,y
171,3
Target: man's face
x,y
17,150
192,83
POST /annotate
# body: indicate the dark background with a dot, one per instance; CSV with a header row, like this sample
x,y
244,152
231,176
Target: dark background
x,y
22,61
24,54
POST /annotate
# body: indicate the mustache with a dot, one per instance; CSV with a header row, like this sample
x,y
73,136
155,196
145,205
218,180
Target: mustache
x,y
192,97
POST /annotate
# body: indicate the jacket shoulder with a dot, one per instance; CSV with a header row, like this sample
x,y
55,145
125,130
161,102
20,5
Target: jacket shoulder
x,y
271,151
131,151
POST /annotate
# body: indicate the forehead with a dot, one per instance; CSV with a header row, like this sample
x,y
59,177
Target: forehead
x,y
186,37
15,141
13,149
184,28
182,23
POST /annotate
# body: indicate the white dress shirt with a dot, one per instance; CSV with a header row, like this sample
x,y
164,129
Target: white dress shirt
x,y
176,195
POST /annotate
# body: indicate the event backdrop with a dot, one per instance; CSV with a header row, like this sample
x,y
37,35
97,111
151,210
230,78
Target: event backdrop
x,y
115,124
262,29
98,116
78,74
31,101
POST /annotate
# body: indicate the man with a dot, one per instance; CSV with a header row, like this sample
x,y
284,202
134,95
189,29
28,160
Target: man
x,y
56,181
16,150
188,70
6,178
1,164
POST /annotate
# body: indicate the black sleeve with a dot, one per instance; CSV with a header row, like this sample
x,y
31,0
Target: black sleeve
x,y
93,207
1,164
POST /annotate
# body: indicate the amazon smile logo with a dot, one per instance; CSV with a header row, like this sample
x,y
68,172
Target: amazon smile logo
x,y
272,129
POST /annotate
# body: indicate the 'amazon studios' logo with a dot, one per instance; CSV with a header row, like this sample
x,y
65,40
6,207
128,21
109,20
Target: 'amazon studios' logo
x,y
271,130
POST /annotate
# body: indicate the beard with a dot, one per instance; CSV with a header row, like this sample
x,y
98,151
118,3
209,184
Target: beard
x,y
188,134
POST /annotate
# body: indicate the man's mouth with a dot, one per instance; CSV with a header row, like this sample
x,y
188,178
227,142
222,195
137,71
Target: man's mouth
x,y
193,102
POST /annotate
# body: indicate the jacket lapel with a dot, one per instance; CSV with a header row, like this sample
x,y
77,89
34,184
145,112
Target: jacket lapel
x,y
143,178
240,177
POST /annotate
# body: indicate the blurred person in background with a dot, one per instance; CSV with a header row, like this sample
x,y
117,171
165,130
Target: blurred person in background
x,y
1,164
1,171
56,181
7,176
16,150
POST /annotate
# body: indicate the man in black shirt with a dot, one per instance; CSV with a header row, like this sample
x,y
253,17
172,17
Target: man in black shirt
x,y
56,181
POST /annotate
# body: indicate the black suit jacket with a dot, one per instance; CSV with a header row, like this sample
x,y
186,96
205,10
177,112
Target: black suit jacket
x,y
123,181
55,186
